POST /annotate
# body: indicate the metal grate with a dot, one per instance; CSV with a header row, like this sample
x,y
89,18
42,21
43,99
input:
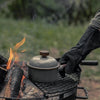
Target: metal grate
x,y
61,86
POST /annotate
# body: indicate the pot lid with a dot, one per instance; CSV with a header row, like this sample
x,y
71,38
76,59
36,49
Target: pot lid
x,y
43,61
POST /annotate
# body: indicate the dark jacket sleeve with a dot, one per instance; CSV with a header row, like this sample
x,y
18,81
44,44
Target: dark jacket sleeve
x,y
88,42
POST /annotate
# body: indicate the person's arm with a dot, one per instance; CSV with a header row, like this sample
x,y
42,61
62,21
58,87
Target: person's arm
x,y
88,42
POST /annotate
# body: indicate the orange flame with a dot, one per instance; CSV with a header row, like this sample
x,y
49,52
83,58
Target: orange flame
x,y
16,57
22,79
10,59
14,54
23,51
19,44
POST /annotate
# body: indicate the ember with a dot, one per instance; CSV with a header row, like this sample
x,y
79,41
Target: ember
x,y
22,78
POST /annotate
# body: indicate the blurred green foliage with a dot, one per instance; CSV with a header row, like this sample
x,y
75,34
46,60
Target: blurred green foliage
x,y
53,10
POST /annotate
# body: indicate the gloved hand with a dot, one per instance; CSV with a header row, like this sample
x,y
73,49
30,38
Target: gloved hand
x,y
68,62
88,42
65,68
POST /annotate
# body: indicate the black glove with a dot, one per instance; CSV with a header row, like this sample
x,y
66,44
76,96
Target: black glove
x,y
88,42
68,63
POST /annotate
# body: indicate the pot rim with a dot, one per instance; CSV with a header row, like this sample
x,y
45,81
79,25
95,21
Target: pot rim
x,y
43,68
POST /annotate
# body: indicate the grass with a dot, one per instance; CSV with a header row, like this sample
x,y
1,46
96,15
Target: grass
x,y
57,38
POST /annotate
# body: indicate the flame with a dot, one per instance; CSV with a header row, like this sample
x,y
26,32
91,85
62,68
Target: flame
x,y
22,78
23,51
21,87
10,59
20,43
16,57
13,53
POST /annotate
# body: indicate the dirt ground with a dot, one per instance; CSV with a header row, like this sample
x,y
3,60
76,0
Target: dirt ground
x,y
93,88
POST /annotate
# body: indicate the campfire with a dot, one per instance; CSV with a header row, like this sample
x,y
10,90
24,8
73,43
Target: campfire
x,y
13,77
18,82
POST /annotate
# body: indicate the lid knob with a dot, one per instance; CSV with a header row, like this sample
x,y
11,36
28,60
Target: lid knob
x,y
44,53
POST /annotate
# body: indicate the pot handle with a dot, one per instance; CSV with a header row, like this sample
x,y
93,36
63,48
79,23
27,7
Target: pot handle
x,y
85,92
89,62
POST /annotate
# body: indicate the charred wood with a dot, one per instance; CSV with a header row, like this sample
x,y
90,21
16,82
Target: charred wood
x,y
3,73
7,90
30,90
5,86
9,73
24,68
13,81
16,81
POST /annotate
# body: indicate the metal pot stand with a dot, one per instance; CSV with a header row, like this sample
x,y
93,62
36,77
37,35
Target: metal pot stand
x,y
63,89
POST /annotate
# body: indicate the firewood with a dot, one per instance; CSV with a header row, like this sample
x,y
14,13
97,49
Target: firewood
x,y
3,69
16,81
30,90
13,82
5,86
9,73
3,73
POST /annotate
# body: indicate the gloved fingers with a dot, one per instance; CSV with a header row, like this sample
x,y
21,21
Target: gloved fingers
x,y
66,68
61,70
64,59
69,68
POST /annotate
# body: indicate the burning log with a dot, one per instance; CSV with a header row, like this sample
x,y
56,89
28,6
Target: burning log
x,y
5,90
5,86
29,90
13,82
9,73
